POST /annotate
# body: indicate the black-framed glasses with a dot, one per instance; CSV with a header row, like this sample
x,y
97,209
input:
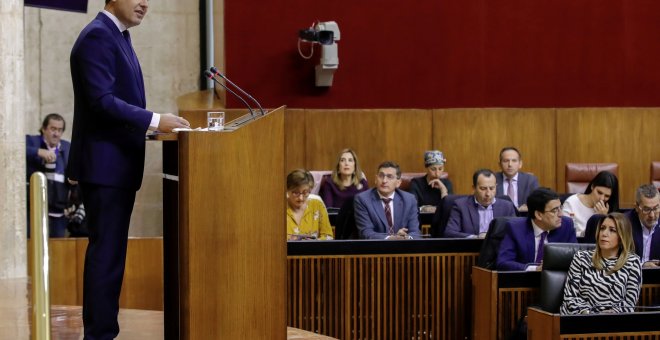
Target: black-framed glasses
x,y
648,210
554,211
390,177
300,193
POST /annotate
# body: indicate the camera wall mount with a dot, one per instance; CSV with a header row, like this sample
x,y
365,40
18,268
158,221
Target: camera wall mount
x,y
326,34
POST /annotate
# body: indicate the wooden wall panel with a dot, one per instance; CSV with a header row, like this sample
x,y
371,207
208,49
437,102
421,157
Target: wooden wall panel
x,y
626,136
294,140
376,135
63,271
143,277
472,139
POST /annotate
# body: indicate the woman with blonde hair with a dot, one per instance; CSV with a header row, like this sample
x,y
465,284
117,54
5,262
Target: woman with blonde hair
x,y
607,279
306,216
346,180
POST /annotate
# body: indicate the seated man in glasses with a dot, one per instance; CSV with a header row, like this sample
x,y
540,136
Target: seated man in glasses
x,y
522,245
645,229
386,212
470,216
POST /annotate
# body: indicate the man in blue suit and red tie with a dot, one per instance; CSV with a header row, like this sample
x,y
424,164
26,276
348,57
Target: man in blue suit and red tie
x,y
107,151
387,212
522,245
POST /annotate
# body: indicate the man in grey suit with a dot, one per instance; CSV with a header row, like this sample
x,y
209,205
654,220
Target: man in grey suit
x,y
513,182
470,216
386,212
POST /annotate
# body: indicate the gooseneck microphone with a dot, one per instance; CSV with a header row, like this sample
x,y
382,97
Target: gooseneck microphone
x,y
209,75
217,73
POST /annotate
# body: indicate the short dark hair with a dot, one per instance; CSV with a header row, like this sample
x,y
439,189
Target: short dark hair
x,y
485,172
537,200
390,164
107,1
48,118
608,180
299,177
510,148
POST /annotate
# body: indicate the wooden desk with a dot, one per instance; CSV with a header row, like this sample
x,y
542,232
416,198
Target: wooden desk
x,y
503,297
381,289
627,326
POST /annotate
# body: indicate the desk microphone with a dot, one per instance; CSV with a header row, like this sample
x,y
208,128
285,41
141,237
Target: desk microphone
x,y
209,75
217,73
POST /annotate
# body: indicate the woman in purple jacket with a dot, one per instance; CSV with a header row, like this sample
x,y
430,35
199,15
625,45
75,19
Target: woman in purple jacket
x,y
345,182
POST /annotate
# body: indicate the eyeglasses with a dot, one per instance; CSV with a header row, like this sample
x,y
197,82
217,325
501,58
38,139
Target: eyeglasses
x,y
298,193
554,211
647,210
390,177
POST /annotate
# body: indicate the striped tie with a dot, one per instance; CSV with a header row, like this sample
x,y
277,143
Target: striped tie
x,y
388,214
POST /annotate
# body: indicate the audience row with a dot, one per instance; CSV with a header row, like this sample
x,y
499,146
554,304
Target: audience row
x,y
387,212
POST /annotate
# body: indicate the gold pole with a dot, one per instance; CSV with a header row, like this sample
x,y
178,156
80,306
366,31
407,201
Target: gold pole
x,y
40,288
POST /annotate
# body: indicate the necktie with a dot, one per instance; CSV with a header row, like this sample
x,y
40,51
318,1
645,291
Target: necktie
x,y
127,37
388,214
539,252
509,190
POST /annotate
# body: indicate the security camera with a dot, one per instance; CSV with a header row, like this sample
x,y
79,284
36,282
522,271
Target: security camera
x,y
326,34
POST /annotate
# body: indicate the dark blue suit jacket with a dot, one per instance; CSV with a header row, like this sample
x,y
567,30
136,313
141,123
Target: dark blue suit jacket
x,y
110,120
464,217
639,238
370,216
34,162
58,191
526,184
517,249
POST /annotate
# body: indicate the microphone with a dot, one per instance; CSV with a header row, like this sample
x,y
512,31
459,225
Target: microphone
x,y
216,72
209,75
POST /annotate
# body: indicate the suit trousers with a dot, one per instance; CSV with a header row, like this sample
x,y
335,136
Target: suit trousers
x,y
108,217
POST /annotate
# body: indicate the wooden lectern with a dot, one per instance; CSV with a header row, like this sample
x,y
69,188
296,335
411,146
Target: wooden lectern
x,y
225,259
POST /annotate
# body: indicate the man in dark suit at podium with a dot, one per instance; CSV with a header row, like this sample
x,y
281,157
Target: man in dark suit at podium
x,y
513,182
107,151
387,212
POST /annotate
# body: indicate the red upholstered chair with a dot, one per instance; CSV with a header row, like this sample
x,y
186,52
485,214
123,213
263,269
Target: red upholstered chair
x,y
578,175
406,177
655,174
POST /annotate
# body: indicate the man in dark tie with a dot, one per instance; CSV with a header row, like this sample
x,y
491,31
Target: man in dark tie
x,y
386,212
645,225
522,245
107,151
513,182
470,216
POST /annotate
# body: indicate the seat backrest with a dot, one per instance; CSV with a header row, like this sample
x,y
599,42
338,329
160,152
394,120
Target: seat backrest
x,y
318,179
578,175
590,230
655,174
345,228
557,258
491,245
406,177
441,216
